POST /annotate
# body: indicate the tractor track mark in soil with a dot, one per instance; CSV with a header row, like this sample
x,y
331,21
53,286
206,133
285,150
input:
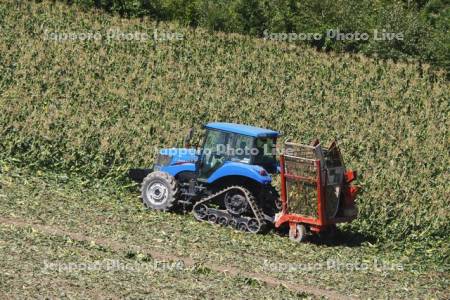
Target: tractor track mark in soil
x,y
120,247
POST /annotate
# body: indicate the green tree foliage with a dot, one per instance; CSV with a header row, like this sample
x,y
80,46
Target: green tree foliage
x,y
424,24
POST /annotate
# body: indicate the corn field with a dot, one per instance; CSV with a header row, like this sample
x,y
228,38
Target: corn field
x,y
98,107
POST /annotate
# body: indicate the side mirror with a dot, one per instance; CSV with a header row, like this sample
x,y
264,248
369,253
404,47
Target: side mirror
x,y
188,138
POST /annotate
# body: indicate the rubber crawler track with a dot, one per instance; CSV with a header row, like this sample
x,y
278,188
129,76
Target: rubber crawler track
x,y
257,212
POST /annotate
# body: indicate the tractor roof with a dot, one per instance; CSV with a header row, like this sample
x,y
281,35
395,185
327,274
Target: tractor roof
x,y
243,129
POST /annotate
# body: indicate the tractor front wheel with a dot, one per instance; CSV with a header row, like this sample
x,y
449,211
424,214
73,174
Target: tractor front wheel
x,y
159,191
297,233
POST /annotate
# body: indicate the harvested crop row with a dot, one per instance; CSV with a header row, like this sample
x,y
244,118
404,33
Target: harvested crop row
x,y
97,107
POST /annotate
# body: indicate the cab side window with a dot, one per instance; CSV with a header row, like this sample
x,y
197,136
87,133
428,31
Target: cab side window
x,y
241,148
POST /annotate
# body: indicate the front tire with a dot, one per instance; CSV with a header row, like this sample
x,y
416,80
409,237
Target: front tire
x,y
159,191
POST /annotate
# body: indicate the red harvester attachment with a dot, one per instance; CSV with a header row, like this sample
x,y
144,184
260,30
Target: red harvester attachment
x,y
316,190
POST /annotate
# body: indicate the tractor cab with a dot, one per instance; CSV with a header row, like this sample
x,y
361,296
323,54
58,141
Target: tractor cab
x,y
229,150
239,144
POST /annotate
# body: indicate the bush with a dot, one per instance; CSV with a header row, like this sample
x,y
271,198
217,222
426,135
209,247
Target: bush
x,y
424,24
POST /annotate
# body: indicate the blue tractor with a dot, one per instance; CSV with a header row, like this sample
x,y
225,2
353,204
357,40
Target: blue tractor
x,y
227,181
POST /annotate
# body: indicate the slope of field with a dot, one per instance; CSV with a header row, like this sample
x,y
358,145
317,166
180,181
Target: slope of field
x,y
50,218
46,259
96,107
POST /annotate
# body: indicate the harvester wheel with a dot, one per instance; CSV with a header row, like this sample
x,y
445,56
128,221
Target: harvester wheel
x,y
159,191
298,233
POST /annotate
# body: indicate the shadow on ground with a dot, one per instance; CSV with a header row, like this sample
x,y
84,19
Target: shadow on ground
x,y
342,238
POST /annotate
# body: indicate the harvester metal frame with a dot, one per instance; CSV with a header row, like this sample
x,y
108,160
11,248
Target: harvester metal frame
x,y
321,223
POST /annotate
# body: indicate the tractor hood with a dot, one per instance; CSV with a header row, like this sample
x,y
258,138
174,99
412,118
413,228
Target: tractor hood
x,y
171,160
176,156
